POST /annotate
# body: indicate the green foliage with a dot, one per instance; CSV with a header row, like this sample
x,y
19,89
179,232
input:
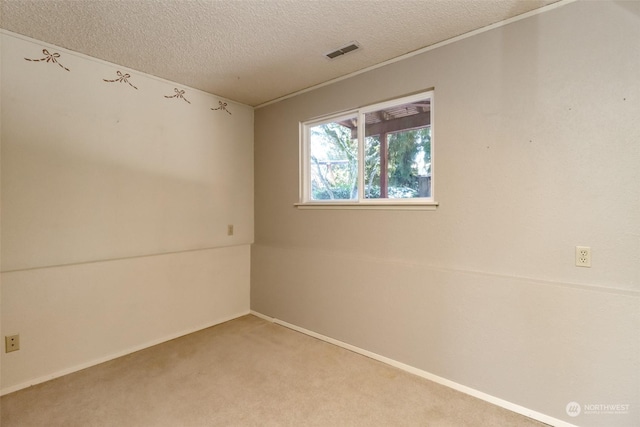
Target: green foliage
x,y
404,149
406,152
334,162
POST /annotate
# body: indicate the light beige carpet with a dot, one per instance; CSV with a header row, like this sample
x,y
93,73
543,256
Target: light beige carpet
x,y
247,372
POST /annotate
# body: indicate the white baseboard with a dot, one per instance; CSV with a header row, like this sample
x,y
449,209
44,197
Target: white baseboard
x,y
112,356
427,375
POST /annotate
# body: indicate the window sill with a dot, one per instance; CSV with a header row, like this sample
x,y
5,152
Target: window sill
x,y
399,206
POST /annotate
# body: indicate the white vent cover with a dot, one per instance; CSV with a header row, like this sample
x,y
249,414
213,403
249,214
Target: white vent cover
x,y
349,47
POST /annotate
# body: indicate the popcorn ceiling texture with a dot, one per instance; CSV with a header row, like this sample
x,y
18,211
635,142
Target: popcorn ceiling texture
x,y
250,51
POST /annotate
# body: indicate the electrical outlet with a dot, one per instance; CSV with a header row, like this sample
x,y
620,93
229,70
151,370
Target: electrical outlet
x,y
12,343
583,256
230,230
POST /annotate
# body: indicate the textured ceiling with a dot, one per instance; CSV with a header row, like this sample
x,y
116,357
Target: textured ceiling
x,y
250,51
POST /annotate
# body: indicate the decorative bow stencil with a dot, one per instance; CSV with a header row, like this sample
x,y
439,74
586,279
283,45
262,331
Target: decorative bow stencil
x,y
122,78
49,57
179,94
223,107
53,58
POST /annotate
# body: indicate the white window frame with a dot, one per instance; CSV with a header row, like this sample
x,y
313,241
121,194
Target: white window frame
x,y
305,201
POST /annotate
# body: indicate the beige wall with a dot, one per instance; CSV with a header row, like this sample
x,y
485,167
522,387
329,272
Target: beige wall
x,y
536,151
115,206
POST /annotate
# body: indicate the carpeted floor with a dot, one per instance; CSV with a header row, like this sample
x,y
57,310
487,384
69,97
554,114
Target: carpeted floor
x,y
247,372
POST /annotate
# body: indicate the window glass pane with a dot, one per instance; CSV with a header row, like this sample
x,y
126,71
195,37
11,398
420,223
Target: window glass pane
x,y
398,151
333,161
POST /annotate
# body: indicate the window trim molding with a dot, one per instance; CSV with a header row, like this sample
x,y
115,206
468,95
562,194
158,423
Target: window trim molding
x,y
350,205
304,163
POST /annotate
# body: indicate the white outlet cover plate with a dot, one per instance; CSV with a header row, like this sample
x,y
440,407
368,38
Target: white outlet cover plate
x,y
583,256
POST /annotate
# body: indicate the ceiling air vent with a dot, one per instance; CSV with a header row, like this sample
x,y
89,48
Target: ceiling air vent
x,y
342,50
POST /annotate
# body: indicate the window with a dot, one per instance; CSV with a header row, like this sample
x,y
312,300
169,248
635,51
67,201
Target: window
x,y
376,156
